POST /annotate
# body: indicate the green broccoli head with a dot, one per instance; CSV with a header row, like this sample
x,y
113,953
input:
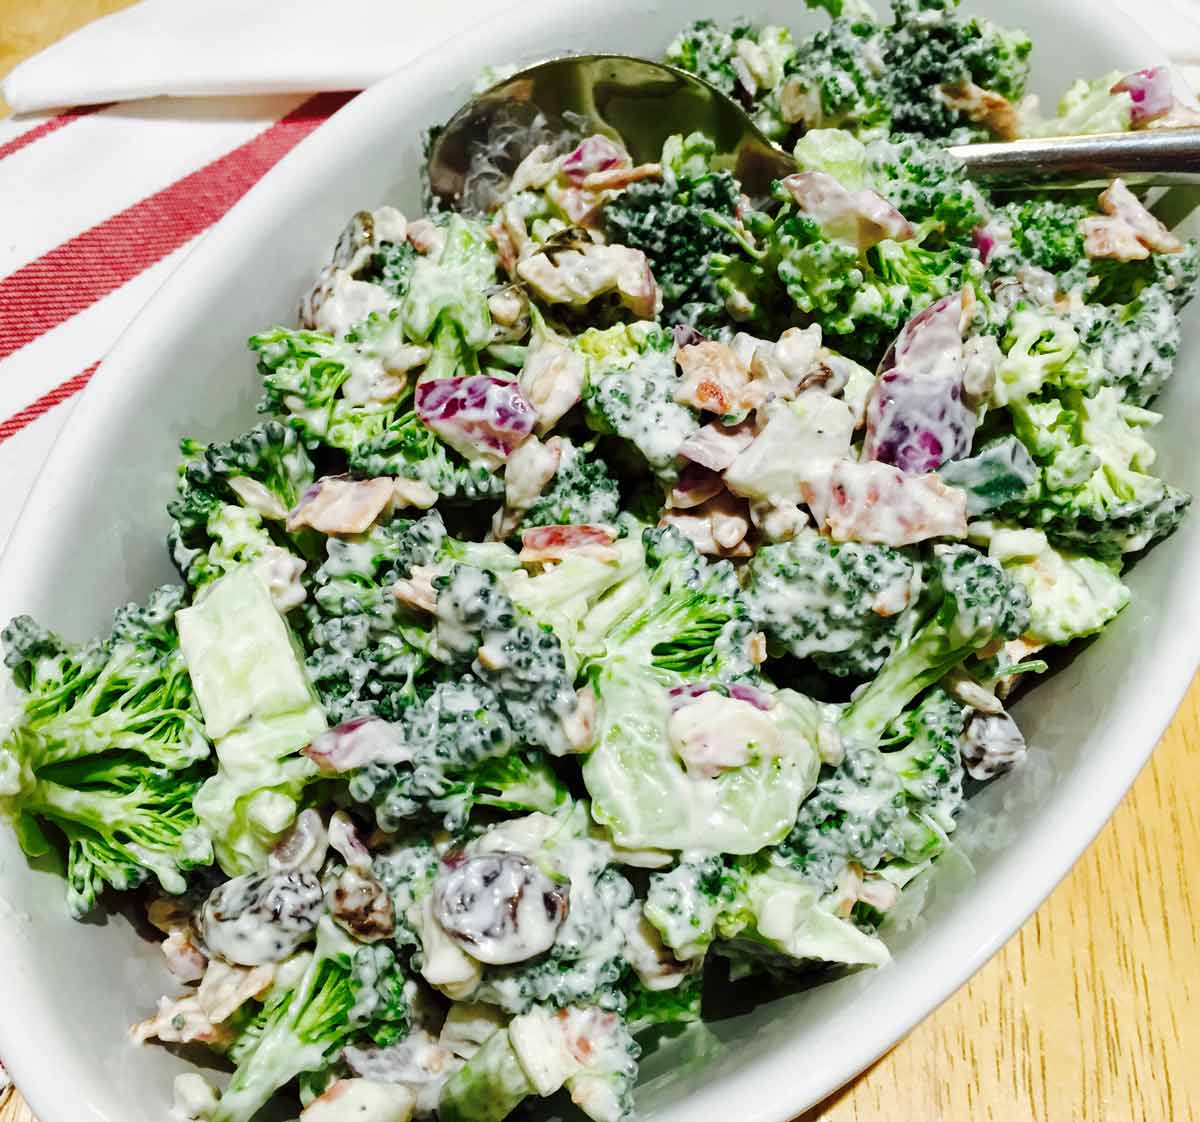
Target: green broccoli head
x,y
926,184
1044,233
679,222
931,45
232,499
841,604
680,612
581,492
104,750
836,78
880,806
365,653
1095,493
973,603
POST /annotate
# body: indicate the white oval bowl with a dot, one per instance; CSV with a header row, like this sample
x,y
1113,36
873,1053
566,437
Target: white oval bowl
x,y
91,538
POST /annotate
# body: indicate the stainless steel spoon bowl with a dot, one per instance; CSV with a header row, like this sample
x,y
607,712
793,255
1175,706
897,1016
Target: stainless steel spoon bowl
x,y
641,103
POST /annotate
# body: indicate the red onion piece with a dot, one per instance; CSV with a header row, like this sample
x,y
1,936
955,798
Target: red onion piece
x,y
481,417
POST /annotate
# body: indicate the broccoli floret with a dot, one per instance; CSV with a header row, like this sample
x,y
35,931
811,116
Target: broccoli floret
x,y
678,609
926,184
1044,233
743,62
520,659
365,652
630,391
879,806
1001,474
1089,107
391,267
104,749
836,78
459,747
974,602
1131,346
581,492
226,491
816,598
679,1005
1095,494
1070,594
695,902
931,45
303,1028
679,222
863,296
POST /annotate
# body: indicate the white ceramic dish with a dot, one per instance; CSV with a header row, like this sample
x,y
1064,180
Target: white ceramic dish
x,y
91,538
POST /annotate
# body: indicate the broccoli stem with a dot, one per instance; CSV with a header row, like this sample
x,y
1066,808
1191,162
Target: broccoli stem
x,y
489,1087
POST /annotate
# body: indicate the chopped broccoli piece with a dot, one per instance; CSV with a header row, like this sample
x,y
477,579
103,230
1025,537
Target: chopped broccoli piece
x,y
582,491
302,1028
926,184
974,602
1095,494
224,493
679,222
816,598
521,660
1044,233
1001,474
679,1005
931,45
630,391
1089,107
104,748
391,267
877,806
695,902
836,78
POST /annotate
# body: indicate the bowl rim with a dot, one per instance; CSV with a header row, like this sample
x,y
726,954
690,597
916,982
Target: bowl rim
x,y
773,1087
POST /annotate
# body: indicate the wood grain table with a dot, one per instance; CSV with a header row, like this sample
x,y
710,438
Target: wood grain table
x,y
1090,1014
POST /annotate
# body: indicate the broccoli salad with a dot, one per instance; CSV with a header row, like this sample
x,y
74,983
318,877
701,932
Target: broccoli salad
x,y
623,587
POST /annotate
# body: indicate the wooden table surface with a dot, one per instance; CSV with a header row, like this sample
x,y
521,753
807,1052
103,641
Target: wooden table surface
x,y
1090,1014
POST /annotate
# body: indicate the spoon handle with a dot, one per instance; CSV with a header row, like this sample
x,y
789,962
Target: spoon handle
x,y
1157,156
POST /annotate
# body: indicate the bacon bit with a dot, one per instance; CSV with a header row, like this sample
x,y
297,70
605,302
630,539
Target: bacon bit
x,y
716,446
508,232
425,237
577,276
694,486
555,543
338,504
580,724
535,171
878,503
1112,238
983,107
527,472
715,380
257,496
226,988
413,493
184,959
181,1021
717,527
859,218
417,591
1121,203
552,381
617,179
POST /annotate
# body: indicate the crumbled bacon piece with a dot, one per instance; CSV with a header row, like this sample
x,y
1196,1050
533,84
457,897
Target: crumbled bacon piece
x,y
715,380
717,527
338,504
554,543
982,107
859,218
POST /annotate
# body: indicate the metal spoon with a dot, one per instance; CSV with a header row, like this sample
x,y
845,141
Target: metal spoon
x,y
641,103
